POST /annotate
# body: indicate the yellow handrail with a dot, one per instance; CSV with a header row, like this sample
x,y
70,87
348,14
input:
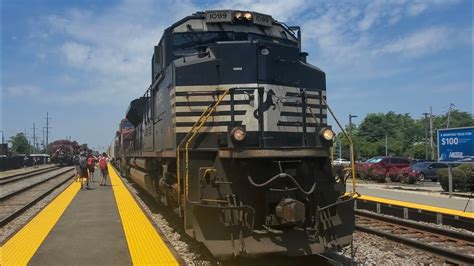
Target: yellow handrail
x,y
178,166
350,143
186,147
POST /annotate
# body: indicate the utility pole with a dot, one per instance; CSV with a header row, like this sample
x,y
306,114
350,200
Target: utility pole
x,y
431,133
350,124
350,134
47,130
35,142
449,113
426,135
340,148
44,146
386,145
27,139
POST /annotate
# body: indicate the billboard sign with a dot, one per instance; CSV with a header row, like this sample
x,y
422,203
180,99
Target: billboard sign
x,y
456,144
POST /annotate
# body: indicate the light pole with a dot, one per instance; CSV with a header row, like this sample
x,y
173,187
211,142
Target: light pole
x,y
350,135
350,123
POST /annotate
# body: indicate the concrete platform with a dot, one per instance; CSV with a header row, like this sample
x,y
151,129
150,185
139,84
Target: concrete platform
x,y
100,226
89,232
433,197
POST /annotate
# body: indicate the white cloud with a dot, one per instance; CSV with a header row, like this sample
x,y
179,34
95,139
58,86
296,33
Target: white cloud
x,y
22,91
417,8
76,54
113,46
423,42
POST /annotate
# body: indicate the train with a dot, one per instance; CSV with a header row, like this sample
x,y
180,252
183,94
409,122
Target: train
x,y
232,135
63,152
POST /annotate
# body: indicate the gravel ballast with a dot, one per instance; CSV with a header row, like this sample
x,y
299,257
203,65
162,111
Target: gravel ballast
x,y
21,220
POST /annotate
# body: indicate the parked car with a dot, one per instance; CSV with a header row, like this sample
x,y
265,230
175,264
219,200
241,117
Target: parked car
x,y
428,170
341,162
388,162
415,161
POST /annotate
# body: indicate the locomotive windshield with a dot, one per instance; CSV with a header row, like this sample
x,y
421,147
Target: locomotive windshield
x,y
192,40
127,124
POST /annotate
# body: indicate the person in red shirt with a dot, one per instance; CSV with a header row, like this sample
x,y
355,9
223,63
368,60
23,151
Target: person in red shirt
x,y
91,167
103,169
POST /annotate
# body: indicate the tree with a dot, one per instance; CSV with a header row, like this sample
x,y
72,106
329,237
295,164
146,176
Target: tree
x,y
19,144
405,135
456,119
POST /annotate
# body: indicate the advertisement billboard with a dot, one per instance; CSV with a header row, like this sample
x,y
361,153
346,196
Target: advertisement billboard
x,y
456,144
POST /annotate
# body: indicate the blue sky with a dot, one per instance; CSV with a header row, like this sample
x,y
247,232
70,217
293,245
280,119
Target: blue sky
x,y
83,61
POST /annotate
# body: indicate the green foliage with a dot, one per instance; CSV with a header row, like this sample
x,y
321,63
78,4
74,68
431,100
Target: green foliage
x,y
463,178
405,135
19,144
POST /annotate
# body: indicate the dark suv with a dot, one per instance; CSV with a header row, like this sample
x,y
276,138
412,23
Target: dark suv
x,y
388,162
428,170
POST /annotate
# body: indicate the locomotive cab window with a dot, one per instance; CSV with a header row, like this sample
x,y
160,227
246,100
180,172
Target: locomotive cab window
x,y
192,42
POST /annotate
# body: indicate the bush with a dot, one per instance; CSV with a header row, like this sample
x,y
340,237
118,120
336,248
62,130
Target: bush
x,y
394,174
405,175
463,178
361,171
378,174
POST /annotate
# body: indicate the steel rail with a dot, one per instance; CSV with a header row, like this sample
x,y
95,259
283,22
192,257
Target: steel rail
x,y
418,226
448,254
21,176
25,207
24,173
4,197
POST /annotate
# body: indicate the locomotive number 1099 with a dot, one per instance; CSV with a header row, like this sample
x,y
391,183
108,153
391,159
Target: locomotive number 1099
x,y
218,16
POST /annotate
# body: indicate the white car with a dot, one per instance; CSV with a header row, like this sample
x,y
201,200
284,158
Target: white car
x,y
341,161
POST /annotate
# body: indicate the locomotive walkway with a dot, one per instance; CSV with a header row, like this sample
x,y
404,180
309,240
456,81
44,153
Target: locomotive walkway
x,y
100,226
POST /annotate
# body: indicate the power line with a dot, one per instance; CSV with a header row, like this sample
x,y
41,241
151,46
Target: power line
x,y
431,133
426,135
35,138
451,105
47,130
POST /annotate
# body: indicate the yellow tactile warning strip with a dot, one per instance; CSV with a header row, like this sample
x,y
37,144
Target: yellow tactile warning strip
x,y
144,242
19,249
419,206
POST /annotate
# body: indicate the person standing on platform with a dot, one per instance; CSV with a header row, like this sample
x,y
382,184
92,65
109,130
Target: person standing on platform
x,y
75,160
91,167
84,174
103,169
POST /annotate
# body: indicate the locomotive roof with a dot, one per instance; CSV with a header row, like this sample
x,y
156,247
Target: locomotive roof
x,y
267,21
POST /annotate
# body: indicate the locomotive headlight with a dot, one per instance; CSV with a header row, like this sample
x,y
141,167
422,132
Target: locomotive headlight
x,y
238,16
327,134
248,16
238,133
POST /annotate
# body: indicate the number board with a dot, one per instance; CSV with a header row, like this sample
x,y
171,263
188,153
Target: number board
x,y
456,144
218,16
261,19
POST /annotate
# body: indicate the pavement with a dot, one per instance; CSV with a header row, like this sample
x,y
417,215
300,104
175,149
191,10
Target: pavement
x,y
74,239
429,193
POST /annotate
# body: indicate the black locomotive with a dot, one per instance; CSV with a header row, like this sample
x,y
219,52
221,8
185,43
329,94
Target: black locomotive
x,y
232,134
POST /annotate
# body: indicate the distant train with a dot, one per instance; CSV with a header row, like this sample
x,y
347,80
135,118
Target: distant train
x,y
63,152
232,134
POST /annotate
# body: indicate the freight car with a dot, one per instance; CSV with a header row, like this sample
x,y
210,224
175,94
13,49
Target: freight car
x,y
232,134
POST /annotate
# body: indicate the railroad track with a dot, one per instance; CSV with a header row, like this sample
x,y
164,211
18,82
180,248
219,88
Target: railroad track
x,y
454,247
20,176
22,196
